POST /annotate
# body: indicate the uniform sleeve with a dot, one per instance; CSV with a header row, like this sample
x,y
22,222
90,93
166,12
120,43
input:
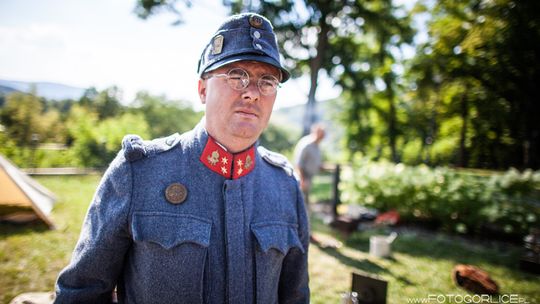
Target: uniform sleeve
x,y
97,260
294,280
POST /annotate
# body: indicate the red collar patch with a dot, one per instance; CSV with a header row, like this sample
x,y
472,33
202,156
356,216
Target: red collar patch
x,y
226,164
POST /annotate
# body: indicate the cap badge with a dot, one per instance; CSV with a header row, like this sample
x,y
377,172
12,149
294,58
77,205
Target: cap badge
x,y
255,21
217,44
176,193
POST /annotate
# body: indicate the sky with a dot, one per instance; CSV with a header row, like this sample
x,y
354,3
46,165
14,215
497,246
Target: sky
x,y
102,43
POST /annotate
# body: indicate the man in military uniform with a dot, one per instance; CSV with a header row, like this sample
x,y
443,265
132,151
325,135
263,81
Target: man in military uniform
x,y
207,216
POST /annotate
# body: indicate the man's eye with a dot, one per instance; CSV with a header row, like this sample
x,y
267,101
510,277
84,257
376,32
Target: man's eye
x,y
267,82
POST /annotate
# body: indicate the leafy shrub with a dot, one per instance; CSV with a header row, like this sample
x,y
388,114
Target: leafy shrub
x,y
95,143
454,200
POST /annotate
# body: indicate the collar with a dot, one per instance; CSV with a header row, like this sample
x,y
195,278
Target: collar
x,y
216,158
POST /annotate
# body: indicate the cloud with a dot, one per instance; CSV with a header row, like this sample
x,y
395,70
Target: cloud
x,y
33,37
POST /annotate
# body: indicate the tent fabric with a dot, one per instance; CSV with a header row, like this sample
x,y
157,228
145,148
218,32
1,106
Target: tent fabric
x,y
21,197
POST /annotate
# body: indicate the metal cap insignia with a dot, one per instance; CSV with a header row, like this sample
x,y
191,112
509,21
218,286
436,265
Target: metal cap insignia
x,y
217,44
255,21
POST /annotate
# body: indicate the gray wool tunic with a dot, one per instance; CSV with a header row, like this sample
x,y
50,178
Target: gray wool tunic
x,y
230,241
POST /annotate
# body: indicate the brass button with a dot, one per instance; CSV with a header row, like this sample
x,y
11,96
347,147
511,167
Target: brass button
x,y
176,193
255,21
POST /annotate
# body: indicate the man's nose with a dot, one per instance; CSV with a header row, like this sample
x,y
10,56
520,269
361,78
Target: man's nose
x,y
251,92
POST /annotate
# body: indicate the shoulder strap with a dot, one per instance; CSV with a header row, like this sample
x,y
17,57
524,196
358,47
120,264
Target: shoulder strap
x,y
136,148
276,160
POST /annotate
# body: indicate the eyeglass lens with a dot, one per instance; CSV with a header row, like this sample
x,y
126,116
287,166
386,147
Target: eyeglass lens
x,y
238,79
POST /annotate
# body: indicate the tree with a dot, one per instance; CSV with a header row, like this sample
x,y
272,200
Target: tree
x,y
105,103
482,61
95,142
165,116
82,131
312,34
323,39
108,104
365,65
147,8
21,118
110,132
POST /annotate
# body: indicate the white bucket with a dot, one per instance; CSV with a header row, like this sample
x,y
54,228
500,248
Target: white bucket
x,y
379,245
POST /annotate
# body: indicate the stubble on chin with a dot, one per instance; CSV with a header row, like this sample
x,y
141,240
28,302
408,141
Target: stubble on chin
x,y
245,130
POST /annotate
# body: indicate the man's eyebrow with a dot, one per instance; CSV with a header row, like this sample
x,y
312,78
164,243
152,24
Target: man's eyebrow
x,y
267,71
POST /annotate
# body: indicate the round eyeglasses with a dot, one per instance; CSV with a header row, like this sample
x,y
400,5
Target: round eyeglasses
x,y
238,79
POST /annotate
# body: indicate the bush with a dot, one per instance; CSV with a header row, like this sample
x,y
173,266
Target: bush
x,y
461,201
95,143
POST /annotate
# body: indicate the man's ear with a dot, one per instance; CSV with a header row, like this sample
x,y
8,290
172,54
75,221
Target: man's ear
x,y
202,90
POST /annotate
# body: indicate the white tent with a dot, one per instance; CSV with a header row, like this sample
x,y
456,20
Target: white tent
x,y
23,199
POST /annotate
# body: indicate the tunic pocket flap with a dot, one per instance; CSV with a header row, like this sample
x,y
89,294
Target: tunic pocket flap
x,y
277,235
169,230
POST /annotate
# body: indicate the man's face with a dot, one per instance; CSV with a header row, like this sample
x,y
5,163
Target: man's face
x,y
237,114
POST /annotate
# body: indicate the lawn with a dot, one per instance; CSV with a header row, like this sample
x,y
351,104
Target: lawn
x,y
32,256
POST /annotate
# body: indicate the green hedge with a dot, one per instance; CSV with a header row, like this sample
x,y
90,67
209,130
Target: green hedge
x,y
471,202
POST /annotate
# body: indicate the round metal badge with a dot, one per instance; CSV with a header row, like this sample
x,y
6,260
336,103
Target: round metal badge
x,y
176,193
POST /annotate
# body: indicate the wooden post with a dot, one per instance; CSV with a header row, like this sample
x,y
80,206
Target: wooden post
x,y
335,190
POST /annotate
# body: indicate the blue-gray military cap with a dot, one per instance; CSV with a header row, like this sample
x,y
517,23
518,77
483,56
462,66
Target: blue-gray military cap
x,y
246,36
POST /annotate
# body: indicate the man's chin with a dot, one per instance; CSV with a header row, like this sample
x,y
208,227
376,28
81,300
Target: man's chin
x,y
246,130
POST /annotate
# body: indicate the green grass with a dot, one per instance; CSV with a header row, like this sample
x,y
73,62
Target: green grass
x,y
421,264
31,256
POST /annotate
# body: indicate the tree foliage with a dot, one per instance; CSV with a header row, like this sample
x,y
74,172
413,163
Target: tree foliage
x,y
165,116
354,42
466,98
147,8
105,103
91,128
341,39
475,83
21,118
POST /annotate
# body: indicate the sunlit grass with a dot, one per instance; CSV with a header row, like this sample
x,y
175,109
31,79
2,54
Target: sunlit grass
x,y
31,256
421,264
